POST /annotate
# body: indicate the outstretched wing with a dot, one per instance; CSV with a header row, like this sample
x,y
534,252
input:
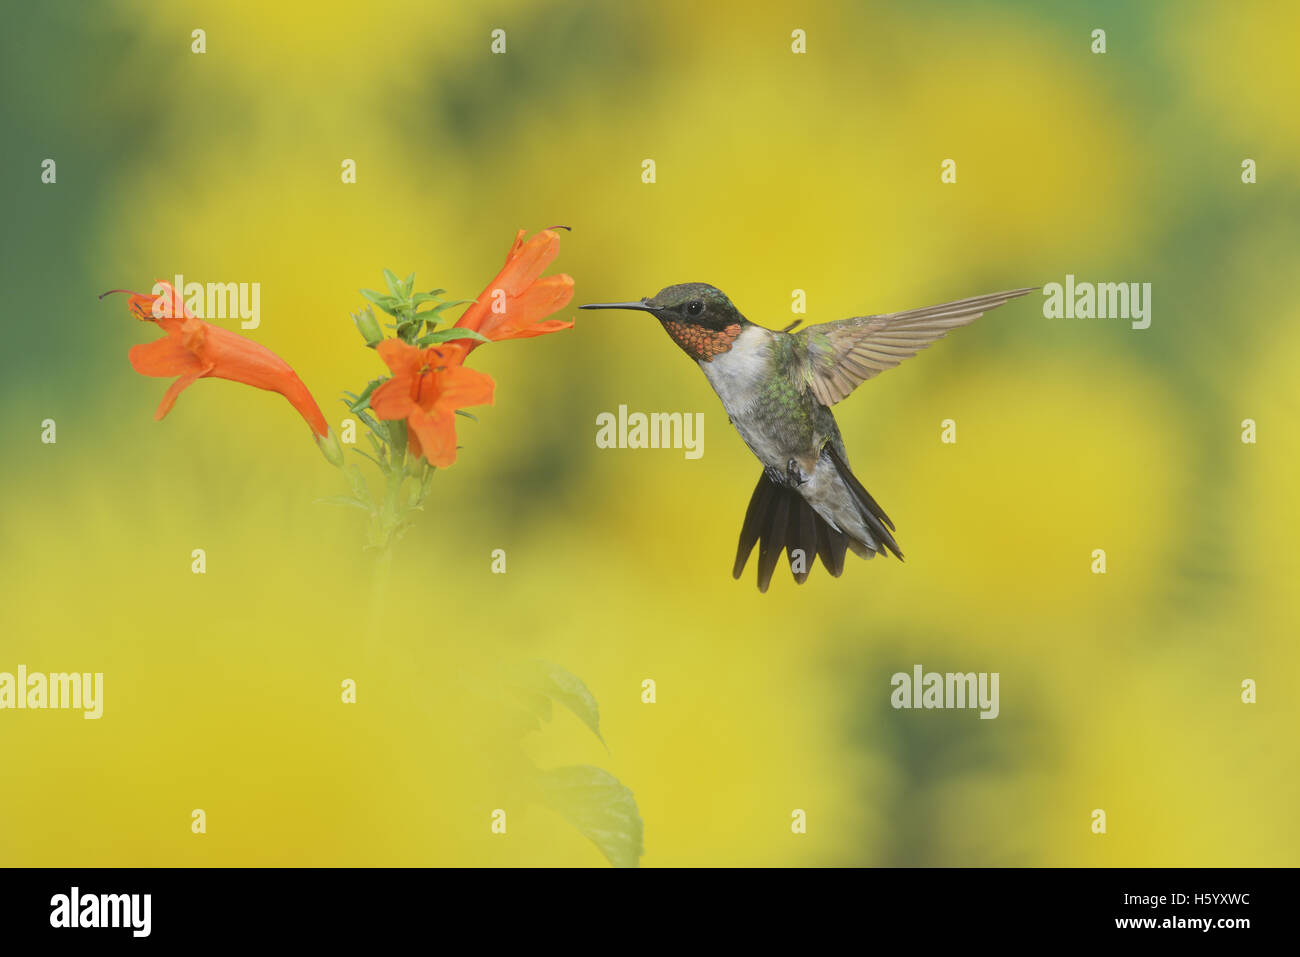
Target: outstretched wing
x,y
839,356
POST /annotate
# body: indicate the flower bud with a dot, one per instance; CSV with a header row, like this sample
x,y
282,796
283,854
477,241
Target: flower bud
x,y
369,327
331,448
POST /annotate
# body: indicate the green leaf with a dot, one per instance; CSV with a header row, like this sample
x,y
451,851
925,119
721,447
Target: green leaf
x,y
443,305
602,809
536,704
366,455
454,302
360,490
468,415
389,304
372,425
345,500
445,335
420,298
362,401
435,315
394,284
543,677
408,285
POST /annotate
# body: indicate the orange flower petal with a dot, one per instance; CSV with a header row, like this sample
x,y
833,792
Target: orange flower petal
x,y
392,400
540,300
400,357
516,245
525,262
164,358
171,306
240,359
538,329
173,390
194,349
450,353
473,317
437,436
413,443
459,387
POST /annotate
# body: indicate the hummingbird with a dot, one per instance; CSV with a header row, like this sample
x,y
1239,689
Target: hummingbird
x,y
778,387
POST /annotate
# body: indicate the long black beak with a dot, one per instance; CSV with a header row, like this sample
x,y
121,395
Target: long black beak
x,y
639,306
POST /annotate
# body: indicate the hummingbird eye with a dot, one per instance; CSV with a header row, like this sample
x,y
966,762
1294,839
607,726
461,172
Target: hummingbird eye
x,y
694,307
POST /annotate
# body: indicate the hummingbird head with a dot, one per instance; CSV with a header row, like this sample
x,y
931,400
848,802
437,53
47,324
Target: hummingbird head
x,y
699,317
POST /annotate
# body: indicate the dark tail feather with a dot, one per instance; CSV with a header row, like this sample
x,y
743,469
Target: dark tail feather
x,y
778,518
872,513
772,539
755,521
801,538
831,546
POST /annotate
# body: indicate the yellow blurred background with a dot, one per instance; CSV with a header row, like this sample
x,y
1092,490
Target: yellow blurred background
x,y
775,171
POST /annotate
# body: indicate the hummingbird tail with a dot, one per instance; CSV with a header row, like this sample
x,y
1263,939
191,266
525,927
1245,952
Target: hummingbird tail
x,y
780,519
879,528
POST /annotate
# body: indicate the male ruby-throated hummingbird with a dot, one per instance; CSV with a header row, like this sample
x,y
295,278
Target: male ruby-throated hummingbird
x,y
777,388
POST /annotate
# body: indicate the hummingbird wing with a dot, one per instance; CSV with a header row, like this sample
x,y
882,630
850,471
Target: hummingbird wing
x,y
837,357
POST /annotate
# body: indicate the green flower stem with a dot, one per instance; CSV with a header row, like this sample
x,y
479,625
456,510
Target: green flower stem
x,y
380,571
390,516
384,530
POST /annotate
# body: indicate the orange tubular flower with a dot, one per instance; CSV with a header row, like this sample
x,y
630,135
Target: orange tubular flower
x,y
516,301
427,387
194,349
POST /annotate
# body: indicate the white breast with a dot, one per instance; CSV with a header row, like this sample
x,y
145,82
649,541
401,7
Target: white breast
x,y
737,374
